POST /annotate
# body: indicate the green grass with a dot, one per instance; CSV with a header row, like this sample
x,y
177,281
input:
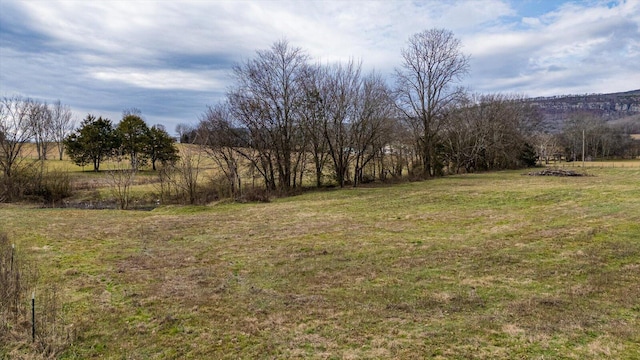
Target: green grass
x,y
495,265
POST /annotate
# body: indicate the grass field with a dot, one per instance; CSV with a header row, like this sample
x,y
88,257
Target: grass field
x,y
486,266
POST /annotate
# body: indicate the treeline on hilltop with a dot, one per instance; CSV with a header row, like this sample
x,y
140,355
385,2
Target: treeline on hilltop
x,y
621,109
290,122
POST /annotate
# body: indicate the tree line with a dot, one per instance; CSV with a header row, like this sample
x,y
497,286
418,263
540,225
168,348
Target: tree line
x,y
590,134
286,119
27,120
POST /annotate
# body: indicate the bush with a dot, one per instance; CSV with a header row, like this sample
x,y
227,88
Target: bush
x,y
24,181
255,194
31,182
54,187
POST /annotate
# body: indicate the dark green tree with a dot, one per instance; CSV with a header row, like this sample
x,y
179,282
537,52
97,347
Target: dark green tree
x,y
134,135
161,147
528,155
94,141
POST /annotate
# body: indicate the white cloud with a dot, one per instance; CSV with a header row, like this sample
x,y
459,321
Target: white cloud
x,y
333,29
532,22
163,79
576,48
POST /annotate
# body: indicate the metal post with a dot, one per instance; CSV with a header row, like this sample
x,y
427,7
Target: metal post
x,y
13,248
33,316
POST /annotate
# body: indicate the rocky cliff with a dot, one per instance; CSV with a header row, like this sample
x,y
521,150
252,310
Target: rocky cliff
x,y
619,108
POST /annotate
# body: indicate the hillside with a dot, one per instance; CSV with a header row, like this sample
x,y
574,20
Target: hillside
x,y
618,108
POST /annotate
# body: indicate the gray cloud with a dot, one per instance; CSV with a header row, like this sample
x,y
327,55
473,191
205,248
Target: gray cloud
x,y
172,58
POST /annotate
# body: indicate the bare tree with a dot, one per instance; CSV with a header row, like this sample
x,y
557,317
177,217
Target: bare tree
x,y
314,120
186,133
15,132
120,180
221,143
62,125
545,145
340,93
432,64
187,173
267,101
400,152
41,124
371,126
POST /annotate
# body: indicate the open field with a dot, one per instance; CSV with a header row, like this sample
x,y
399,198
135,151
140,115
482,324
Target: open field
x,y
88,186
486,266
599,164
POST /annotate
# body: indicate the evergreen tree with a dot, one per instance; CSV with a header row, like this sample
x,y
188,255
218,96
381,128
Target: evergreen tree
x,y
94,141
528,155
134,135
161,146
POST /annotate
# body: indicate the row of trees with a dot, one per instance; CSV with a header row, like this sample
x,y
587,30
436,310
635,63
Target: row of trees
x,y
306,114
23,121
487,132
98,139
286,116
599,139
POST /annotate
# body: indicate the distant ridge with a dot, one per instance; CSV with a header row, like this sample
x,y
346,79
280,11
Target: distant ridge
x,y
617,108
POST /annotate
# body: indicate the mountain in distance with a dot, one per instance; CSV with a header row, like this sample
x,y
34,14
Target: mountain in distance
x,y
622,108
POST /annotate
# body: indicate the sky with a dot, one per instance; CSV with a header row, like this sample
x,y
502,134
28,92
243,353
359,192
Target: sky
x,y
170,58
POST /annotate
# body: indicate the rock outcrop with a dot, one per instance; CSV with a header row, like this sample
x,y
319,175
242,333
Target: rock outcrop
x,y
611,107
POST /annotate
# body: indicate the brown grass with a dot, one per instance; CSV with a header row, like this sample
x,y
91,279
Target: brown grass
x,y
495,265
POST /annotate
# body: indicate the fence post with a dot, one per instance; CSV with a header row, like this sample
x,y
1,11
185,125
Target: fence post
x,y
33,316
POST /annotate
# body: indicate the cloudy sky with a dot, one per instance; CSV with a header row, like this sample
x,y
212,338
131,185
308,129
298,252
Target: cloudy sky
x,y
172,58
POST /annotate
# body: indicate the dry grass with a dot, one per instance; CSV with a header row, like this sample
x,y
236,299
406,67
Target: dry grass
x,y
489,266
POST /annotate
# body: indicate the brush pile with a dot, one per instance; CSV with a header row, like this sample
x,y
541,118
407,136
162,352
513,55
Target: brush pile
x,y
555,172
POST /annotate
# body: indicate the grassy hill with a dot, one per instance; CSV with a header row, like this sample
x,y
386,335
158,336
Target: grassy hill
x,y
486,266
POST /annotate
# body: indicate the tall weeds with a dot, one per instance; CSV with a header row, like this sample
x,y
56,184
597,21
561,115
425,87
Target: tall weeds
x,y
19,280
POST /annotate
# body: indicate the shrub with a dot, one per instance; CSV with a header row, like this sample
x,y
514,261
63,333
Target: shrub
x,y
32,182
54,187
255,194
